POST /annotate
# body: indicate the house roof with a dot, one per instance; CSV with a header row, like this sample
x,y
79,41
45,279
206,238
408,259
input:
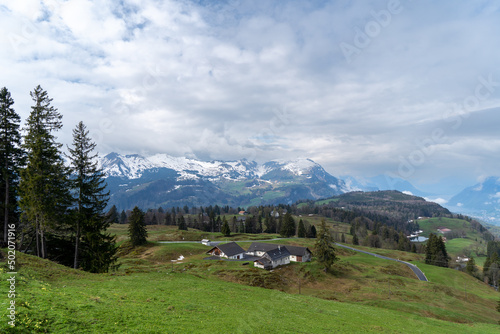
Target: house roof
x,y
258,246
230,249
297,250
278,253
293,250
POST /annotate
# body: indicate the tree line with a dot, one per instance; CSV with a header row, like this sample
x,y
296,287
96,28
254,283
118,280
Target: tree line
x,y
58,208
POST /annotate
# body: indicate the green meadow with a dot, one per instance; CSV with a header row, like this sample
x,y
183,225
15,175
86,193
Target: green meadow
x,y
56,299
150,293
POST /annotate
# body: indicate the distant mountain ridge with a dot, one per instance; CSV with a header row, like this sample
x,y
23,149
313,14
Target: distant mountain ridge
x,y
481,200
163,180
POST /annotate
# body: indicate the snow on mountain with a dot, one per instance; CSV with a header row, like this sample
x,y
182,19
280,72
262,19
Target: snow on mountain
x,y
133,166
481,200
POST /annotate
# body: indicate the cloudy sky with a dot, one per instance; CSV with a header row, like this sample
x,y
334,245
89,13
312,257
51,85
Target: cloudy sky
x,y
403,88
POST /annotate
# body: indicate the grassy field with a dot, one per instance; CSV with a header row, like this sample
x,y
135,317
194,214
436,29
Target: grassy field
x,y
56,299
472,245
155,292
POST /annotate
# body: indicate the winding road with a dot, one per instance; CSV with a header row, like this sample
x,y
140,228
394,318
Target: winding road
x,y
420,274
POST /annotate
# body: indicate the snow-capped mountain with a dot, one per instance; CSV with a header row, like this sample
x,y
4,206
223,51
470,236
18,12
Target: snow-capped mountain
x,y
133,166
163,180
481,200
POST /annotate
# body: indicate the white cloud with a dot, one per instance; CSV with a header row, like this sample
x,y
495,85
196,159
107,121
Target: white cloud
x,y
439,200
212,80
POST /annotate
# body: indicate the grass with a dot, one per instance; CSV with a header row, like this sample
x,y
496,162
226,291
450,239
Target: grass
x,y
471,245
152,294
56,299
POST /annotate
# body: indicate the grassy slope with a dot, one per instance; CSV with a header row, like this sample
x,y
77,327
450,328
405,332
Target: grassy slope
x,y
57,299
457,247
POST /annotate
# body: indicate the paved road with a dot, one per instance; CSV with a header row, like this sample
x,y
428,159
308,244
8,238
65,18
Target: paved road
x,y
420,274
215,243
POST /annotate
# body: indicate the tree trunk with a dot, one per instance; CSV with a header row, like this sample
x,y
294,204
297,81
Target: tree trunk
x,y
37,235
42,243
77,243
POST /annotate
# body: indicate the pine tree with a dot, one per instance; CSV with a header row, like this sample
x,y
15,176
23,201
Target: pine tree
x,y
288,226
137,227
123,217
355,239
312,233
301,233
11,160
324,251
470,268
113,216
89,188
435,251
44,186
226,231
181,222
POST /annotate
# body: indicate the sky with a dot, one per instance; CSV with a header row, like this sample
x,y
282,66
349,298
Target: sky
x,y
409,89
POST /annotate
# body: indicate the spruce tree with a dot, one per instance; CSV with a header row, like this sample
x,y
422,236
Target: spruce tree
x,y
324,251
113,215
11,160
98,249
181,222
288,226
312,232
44,187
301,233
137,227
123,217
355,239
226,231
435,251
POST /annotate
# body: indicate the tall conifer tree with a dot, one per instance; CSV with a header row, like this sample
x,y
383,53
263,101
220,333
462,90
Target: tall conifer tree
x,y
11,160
44,186
137,227
97,251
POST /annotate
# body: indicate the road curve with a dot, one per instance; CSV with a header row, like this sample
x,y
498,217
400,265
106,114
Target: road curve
x,y
420,274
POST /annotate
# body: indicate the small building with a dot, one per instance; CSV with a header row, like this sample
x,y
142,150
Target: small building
x,y
275,257
299,254
230,250
242,213
443,230
206,242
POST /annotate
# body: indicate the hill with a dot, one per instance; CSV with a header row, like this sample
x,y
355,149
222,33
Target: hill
x,y
193,298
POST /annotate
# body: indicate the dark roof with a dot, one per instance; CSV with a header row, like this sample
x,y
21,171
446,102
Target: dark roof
x,y
231,248
297,250
258,246
294,250
278,253
263,260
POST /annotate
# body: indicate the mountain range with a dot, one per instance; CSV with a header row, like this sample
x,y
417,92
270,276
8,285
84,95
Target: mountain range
x,y
163,180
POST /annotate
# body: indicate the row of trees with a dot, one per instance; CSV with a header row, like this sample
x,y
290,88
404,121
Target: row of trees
x,y
58,210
